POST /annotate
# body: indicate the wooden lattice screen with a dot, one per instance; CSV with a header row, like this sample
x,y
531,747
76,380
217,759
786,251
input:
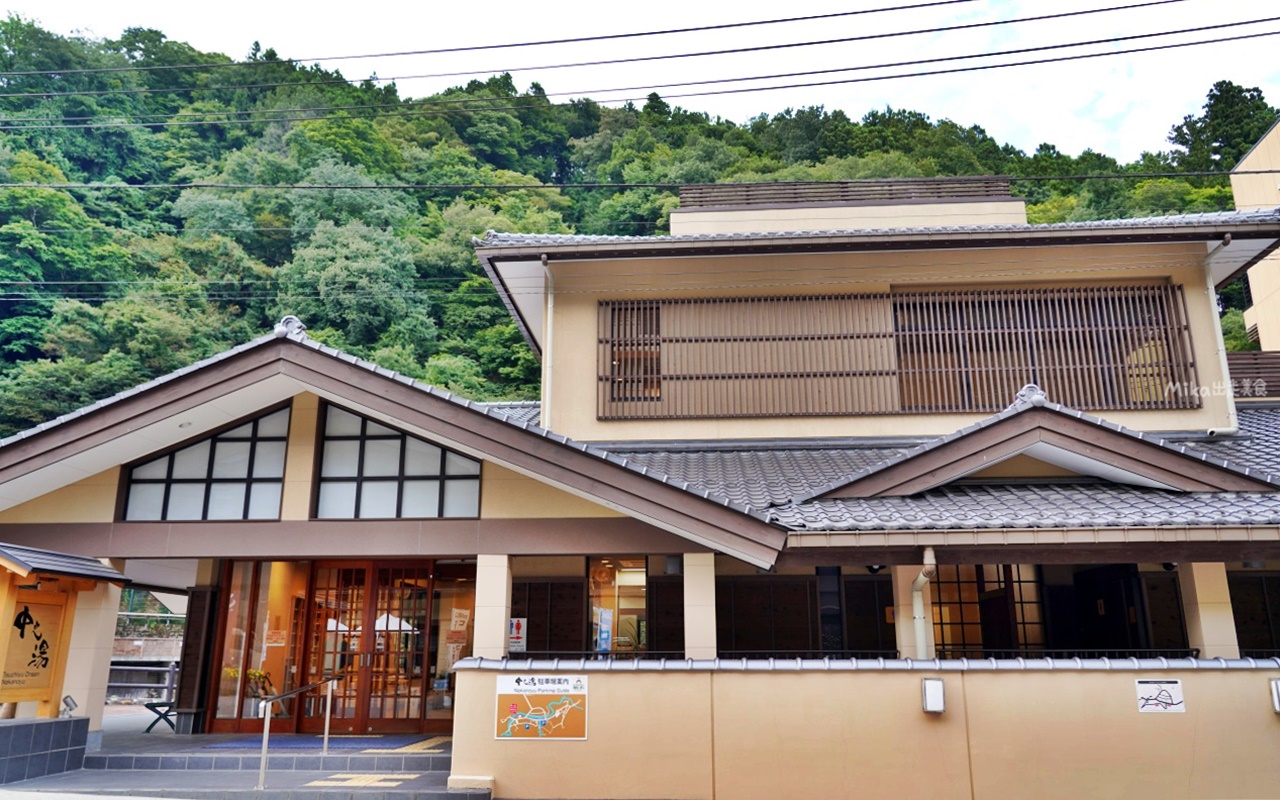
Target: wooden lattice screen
x,y
966,350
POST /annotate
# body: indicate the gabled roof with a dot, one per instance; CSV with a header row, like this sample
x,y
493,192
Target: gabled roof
x,y
1059,435
27,560
273,368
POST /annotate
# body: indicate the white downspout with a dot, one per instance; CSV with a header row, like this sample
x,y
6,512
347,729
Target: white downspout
x,y
929,570
1233,424
548,324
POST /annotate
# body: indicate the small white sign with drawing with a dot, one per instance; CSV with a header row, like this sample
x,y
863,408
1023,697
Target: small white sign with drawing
x,y
1160,697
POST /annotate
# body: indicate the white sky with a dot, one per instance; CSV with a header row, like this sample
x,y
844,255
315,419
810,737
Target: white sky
x,y
1119,105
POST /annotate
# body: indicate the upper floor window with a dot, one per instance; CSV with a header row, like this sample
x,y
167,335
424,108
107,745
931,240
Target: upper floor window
x,y
635,351
370,471
905,352
236,474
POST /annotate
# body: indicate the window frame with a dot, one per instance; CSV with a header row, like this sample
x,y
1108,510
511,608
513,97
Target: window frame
x,y
442,477
129,480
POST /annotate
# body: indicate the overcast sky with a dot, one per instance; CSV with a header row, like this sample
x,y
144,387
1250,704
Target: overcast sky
x,y
1119,105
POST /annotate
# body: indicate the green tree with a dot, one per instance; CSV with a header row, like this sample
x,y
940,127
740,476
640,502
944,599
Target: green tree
x,y
1234,119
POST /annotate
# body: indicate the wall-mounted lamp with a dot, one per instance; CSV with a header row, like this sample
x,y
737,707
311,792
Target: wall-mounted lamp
x,y
933,695
69,704
1275,695
1169,566
874,568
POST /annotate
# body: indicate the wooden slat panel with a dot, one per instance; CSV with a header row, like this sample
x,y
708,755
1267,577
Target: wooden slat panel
x,y
957,350
842,192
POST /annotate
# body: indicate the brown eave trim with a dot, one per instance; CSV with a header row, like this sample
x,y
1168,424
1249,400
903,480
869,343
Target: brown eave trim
x,y
293,540
142,409
1096,553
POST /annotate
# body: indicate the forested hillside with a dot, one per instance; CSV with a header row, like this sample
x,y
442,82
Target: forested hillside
x,y
112,273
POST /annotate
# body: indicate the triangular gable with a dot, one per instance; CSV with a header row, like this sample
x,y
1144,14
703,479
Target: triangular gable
x,y
275,368
1056,435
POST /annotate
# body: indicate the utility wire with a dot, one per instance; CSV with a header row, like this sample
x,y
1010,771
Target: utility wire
x,y
476,48
459,101
743,50
562,186
423,112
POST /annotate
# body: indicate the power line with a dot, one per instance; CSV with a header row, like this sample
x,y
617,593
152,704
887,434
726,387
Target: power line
x,y
427,111
459,101
475,48
711,53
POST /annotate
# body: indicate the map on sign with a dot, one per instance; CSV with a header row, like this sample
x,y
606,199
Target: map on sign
x,y
542,707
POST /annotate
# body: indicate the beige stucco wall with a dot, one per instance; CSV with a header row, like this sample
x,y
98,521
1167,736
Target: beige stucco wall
x,y
1264,285
581,285
90,500
1259,191
509,495
764,219
743,735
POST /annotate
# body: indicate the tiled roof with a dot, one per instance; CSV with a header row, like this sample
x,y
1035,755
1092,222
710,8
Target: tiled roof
x,y
762,477
1257,444
494,239
520,411
1077,505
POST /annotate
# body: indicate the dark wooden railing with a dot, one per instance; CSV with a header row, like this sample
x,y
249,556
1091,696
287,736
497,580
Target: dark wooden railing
x,y
844,192
1255,374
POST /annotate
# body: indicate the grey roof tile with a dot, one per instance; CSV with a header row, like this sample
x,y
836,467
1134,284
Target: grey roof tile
x,y
1078,505
757,478
54,563
494,239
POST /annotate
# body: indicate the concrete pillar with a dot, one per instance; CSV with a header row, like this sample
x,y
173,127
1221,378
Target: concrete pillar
x,y
493,605
700,605
904,629
89,656
1206,604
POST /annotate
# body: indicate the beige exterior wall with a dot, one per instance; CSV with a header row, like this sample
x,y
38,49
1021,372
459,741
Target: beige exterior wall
x,y
509,495
581,285
1253,192
1259,191
90,500
743,735
763,219
1264,286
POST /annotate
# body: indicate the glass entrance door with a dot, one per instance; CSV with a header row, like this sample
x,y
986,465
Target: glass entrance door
x,y
370,625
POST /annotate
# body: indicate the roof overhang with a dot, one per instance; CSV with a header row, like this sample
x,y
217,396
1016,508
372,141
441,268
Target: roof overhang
x,y
1232,243
274,369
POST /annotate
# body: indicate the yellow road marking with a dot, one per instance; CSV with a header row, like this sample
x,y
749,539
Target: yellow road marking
x,y
424,746
354,780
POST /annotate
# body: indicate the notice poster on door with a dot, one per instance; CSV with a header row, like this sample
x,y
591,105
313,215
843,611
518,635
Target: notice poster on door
x,y
542,707
459,619
602,622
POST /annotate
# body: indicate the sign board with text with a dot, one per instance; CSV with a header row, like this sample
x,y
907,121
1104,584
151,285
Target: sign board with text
x,y
30,661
